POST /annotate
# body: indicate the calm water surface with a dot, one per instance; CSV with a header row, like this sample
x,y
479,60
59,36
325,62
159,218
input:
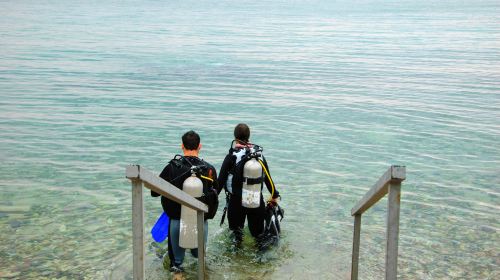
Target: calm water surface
x,y
335,91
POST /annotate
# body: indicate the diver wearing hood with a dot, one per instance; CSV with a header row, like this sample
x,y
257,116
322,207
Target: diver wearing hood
x,y
242,174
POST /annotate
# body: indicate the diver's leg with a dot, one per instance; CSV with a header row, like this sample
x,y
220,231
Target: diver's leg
x,y
177,251
170,249
256,219
236,217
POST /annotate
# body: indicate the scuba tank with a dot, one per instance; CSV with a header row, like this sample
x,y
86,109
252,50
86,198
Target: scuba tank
x,y
252,182
188,236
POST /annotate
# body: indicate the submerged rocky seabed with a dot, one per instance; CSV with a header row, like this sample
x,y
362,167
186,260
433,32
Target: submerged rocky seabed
x,y
45,245
85,237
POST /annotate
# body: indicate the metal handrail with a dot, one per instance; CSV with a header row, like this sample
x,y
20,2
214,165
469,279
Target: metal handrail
x,y
138,176
390,183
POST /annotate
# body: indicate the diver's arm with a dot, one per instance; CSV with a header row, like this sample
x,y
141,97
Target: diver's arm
x,y
267,180
165,174
215,183
223,174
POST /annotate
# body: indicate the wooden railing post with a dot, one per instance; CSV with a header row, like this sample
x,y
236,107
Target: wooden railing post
x,y
355,247
390,183
393,205
138,230
201,245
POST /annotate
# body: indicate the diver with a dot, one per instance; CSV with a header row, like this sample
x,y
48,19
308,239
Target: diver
x,y
188,172
242,175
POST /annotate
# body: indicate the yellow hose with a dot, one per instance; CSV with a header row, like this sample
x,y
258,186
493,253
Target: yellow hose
x,y
269,177
207,178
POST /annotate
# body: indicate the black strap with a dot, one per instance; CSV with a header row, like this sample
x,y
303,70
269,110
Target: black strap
x,y
254,181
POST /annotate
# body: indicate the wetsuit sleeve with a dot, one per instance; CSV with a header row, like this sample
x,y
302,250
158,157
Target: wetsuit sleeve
x,y
165,175
223,174
268,182
215,183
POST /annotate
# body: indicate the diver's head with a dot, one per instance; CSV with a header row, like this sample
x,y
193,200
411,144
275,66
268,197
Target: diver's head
x,y
191,143
242,132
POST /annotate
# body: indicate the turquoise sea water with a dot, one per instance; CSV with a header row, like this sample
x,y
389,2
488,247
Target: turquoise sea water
x,y
335,91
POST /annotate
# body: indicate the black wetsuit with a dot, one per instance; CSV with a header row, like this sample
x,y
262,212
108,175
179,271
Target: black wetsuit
x,y
236,213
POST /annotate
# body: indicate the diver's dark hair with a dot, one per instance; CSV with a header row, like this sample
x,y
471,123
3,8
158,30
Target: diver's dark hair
x,y
242,132
191,140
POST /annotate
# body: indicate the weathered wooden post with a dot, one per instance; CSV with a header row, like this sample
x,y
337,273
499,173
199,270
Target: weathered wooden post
x,y
139,254
201,245
355,247
391,253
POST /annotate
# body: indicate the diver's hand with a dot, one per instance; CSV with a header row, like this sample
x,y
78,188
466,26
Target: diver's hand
x,y
274,201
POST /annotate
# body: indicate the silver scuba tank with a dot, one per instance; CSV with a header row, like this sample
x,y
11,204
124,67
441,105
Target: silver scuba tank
x,y
250,195
188,236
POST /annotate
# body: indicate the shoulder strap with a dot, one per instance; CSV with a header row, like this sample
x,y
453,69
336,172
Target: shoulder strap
x,y
177,161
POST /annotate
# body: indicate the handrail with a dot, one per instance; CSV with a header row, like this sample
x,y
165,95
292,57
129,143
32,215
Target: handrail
x,y
138,176
390,183
393,175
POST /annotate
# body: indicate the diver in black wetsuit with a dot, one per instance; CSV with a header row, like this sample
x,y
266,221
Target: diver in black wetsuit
x,y
231,179
177,170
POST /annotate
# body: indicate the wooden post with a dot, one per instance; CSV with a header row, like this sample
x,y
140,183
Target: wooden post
x,y
201,245
355,247
138,230
391,255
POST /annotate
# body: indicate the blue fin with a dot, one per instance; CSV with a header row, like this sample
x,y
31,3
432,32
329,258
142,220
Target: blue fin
x,y
160,229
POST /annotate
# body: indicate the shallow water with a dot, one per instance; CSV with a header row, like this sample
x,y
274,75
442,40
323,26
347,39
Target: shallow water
x,y
335,92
